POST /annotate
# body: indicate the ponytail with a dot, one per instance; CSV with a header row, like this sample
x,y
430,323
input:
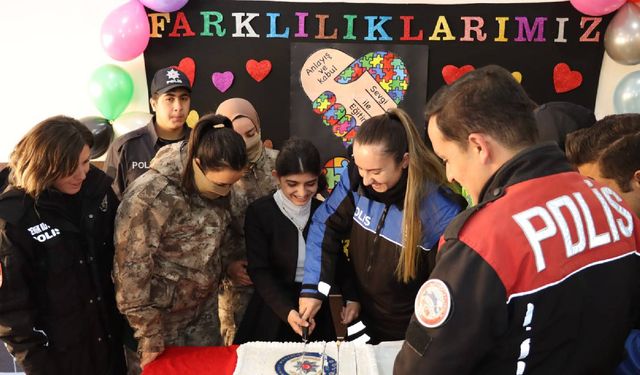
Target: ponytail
x,y
423,166
214,143
397,132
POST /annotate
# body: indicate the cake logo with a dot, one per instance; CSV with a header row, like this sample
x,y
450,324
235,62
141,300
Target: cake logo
x,y
309,364
433,303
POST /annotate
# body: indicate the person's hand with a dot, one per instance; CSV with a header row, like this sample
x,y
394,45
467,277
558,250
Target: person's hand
x,y
350,312
308,307
296,322
237,272
147,357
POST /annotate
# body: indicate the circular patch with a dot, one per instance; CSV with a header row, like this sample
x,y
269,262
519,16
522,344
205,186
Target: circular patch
x,y
433,303
293,364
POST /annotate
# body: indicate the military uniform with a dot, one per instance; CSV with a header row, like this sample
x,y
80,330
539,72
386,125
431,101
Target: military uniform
x,y
256,183
171,250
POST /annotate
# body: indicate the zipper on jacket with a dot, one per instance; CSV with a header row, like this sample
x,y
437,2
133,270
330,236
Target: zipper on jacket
x,y
375,239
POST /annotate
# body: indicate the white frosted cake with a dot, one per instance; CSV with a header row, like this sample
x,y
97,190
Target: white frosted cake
x,y
289,358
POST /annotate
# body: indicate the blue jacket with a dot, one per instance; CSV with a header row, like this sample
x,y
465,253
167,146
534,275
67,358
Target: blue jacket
x,y
374,231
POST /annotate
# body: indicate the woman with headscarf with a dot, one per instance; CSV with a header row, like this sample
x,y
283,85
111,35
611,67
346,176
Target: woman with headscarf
x,y
256,183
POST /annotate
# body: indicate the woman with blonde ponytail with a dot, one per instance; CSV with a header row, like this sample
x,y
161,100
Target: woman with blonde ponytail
x,y
392,205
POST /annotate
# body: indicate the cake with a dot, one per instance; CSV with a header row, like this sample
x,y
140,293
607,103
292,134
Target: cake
x,y
289,358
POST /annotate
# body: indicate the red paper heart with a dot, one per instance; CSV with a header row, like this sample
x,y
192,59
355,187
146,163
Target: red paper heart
x,y
565,79
451,73
258,70
188,67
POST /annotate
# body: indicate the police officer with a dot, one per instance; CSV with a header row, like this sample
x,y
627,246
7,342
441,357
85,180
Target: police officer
x,y
541,276
129,155
256,183
57,307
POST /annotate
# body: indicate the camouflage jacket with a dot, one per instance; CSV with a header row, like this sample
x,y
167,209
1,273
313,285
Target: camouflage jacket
x,y
256,183
171,249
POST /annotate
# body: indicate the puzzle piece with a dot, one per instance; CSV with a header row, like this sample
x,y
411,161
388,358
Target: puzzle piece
x,y
323,102
333,169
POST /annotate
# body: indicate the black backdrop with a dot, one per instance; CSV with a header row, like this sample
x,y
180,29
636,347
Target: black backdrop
x,y
535,60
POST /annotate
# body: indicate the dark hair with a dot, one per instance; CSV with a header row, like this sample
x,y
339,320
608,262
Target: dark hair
x,y
299,155
49,151
487,100
214,143
586,146
395,130
578,147
621,160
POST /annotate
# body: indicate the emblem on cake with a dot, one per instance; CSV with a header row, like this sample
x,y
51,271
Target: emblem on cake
x,y
306,364
313,358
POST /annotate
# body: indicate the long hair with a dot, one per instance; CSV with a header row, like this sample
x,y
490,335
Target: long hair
x,y
396,131
214,143
48,152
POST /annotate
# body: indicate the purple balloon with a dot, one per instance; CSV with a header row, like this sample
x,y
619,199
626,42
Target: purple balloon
x,y
164,5
125,31
597,7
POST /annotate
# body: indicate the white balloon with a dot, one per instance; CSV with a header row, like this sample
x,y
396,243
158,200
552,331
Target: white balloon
x,y
626,97
622,38
130,121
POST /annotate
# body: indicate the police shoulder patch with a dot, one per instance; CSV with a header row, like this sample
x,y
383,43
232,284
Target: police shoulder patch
x,y
433,303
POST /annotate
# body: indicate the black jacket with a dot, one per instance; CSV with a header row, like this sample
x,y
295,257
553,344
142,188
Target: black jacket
x,y
540,278
129,156
373,225
272,254
57,306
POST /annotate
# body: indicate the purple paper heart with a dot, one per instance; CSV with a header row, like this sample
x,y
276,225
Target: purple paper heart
x,y
222,81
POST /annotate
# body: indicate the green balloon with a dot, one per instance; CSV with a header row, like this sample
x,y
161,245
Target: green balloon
x,y
111,89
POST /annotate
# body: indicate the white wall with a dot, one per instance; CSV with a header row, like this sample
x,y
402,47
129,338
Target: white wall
x,y
50,48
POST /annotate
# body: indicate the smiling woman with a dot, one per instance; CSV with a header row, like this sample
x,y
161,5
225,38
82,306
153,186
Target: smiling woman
x,y
276,227
56,244
392,206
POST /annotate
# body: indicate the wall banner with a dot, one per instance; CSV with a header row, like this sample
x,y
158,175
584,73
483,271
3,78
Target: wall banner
x,y
317,70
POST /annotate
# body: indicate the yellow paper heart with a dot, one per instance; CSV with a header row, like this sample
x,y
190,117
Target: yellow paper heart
x,y
193,118
517,75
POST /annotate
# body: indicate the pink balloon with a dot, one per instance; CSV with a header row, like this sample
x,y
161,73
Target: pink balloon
x,y
164,5
597,7
125,31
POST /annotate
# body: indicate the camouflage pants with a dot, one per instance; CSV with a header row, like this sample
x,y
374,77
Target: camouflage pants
x,y
233,303
133,362
194,328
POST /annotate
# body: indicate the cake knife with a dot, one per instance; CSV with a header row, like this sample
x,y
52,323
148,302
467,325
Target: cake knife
x,y
338,342
355,358
324,351
305,338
